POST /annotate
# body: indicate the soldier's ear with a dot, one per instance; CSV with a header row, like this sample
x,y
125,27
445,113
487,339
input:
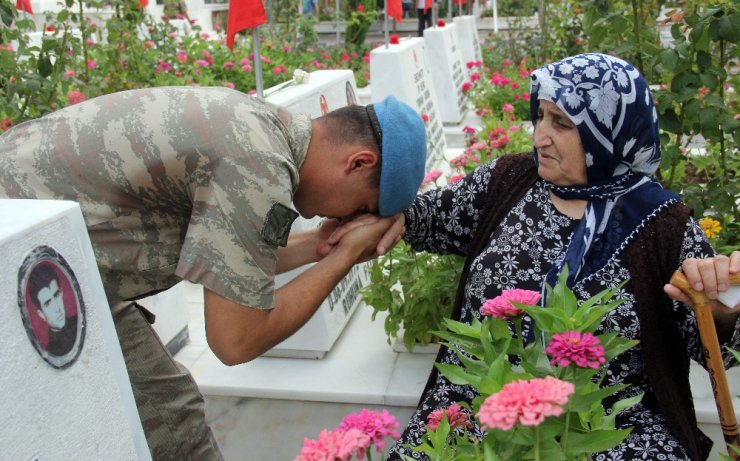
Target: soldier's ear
x,y
361,160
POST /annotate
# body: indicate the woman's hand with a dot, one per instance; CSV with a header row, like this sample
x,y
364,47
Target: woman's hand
x,y
339,230
710,275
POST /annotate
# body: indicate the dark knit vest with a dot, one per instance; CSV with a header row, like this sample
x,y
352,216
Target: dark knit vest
x,y
651,257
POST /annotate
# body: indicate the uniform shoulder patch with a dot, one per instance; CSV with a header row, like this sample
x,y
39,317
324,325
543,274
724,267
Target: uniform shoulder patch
x,y
277,224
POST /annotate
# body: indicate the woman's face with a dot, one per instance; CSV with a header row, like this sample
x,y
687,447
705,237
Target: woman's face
x,y
559,150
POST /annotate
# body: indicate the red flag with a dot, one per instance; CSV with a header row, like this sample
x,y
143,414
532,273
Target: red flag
x,y
243,14
395,10
427,5
143,3
23,5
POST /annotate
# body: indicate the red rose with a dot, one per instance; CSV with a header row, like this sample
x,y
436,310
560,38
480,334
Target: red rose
x,y
440,23
394,39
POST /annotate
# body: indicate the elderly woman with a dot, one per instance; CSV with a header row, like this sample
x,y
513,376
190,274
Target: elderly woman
x,y
586,199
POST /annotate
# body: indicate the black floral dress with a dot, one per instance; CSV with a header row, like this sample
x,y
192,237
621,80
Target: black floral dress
x,y
519,252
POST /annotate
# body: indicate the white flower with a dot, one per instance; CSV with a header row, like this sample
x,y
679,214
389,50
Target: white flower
x,y
573,99
604,103
300,76
622,79
591,72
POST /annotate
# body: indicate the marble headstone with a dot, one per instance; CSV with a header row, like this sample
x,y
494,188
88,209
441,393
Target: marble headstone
x,y
66,392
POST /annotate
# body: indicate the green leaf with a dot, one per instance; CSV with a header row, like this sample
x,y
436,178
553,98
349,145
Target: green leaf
x,y
45,66
593,441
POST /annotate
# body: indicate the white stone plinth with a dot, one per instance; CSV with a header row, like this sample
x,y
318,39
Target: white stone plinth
x,y
448,72
65,390
401,70
469,42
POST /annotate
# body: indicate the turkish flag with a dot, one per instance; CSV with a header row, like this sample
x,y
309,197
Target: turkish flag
x,y
395,10
427,5
243,14
23,5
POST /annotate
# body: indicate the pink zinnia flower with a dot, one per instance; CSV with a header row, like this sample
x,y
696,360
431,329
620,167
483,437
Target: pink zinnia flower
x,y
525,402
468,130
703,91
466,86
376,425
247,68
69,73
506,63
431,177
202,63
229,85
360,7
335,445
501,306
501,142
228,65
455,178
345,57
424,118
474,76
583,349
181,56
507,108
75,96
456,415
91,64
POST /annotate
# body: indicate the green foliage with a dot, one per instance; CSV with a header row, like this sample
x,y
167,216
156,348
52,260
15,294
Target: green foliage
x,y
416,289
360,16
495,354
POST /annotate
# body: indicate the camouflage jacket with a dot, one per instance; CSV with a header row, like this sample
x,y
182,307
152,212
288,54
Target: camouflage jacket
x,y
178,182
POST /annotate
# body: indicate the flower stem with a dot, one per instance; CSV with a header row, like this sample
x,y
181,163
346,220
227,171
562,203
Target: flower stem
x,y
537,443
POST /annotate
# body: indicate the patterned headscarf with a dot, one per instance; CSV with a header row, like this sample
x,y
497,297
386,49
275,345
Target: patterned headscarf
x,y
611,105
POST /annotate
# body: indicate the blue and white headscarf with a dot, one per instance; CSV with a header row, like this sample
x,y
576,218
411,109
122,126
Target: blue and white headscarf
x,y
611,105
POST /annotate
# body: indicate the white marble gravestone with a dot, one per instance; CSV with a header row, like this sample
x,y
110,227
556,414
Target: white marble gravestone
x,y
65,390
448,71
468,41
401,70
324,91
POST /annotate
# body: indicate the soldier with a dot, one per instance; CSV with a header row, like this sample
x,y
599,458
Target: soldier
x,y
201,184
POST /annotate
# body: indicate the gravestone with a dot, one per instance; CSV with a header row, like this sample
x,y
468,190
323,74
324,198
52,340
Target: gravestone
x,y
324,91
448,72
401,70
467,35
66,392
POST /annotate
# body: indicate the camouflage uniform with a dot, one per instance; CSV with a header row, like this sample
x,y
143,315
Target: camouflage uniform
x,y
174,183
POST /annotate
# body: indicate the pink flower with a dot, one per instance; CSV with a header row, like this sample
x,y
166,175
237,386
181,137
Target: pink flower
x,y
470,64
376,425
181,56
91,64
455,178
514,128
6,123
703,91
456,415
525,402
507,108
360,7
583,349
345,57
474,76
335,445
287,48
69,73
229,85
466,86
501,306
228,65
424,118
514,85
247,68
201,63
394,39
366,58
6,47
468,130
506,63
431,177
75,96
441,23
501,142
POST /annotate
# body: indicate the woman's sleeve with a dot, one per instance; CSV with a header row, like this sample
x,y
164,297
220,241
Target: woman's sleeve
x,y
445,220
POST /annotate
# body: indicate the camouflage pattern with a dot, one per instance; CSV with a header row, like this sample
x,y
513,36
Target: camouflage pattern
x,y
173,182
170,405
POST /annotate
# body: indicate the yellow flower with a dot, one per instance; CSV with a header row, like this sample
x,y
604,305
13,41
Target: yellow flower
x,y
711,227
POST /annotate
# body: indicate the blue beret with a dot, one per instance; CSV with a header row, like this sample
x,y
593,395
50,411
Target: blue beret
x,y
403,154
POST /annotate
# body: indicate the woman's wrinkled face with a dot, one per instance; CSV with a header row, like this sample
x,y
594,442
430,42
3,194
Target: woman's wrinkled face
x,y
560,154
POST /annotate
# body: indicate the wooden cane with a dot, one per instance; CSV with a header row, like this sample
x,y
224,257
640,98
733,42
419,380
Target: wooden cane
x,y
713,357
